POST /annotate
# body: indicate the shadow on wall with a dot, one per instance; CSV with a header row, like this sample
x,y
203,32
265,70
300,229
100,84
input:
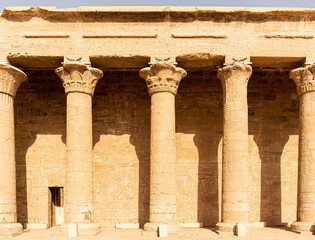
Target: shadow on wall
x,y
121,130
121,110
121,125
39,110
199,112
273,116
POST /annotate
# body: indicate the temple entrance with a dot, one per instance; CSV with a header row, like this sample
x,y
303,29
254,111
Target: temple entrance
x,y
56,203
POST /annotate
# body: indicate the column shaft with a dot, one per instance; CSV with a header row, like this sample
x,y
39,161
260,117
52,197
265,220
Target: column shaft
x,y
79,81
306,168
162,80
79,179
163,158
8,212
235,205
235,166
304,79
10,80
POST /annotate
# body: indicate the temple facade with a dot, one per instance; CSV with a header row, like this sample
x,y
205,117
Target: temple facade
x,y
130,117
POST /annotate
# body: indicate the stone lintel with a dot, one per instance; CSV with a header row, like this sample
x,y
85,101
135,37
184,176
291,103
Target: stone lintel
x,y
201,60
32,62
162,76
119,61
277,62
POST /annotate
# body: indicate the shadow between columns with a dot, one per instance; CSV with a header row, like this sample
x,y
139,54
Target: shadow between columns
x,y
39,111
199,114
273,117
22,145
121,126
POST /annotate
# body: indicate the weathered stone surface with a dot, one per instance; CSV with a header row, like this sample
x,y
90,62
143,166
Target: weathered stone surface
x,y
103,158
304,79
121,153
79,82
10,80
235,164
162,79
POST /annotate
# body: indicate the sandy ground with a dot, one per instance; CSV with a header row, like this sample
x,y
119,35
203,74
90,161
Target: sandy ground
x,y
135,234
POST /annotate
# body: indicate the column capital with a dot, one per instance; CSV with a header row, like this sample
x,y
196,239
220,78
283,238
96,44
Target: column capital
x,y
10,79
162,76
304,79
79,77
236,70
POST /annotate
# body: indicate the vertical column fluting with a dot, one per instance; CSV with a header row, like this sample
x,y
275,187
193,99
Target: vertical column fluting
x,y
304,79
235,166
162,80
10,80
79,81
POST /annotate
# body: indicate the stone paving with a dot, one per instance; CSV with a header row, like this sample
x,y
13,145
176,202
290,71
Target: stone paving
x,y
135,234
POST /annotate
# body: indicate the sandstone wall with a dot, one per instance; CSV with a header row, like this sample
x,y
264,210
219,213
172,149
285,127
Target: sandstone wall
x,y
121,122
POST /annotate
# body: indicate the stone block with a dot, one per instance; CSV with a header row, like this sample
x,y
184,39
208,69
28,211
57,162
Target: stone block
x,y
127,225
36,226
257,224
241,229
163,230
72,230
10,229
191,224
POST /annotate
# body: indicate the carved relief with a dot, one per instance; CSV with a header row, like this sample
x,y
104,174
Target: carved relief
x,y
304,79
78,77
162,76
10,79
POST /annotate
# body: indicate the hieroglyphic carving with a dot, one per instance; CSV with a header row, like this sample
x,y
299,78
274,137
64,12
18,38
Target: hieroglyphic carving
x,y
235,205
305,85
162,79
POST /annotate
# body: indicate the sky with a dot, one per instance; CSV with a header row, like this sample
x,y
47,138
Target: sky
x,y
232,3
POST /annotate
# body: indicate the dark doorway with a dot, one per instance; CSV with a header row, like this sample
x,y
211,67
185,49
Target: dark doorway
x,y
56,206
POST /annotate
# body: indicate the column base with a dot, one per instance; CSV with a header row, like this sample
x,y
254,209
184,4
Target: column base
x,y
225,227
84,229
173,228
127,225
35,226
191,224
255,225
303,227
10,229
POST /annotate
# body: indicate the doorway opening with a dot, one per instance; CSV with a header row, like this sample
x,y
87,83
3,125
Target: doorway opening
x,y
56,203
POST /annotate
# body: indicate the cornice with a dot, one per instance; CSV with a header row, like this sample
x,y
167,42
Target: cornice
x,y
158,14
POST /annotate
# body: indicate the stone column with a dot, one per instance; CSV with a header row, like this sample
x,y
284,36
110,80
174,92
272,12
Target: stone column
x,y
79,81
235,166
10,80
305,83
162,80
